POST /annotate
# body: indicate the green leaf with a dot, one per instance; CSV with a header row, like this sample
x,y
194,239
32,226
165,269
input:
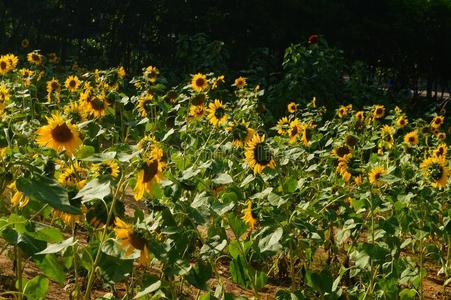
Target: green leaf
x,y
48,234
407,294
240,272
36,288
199,275
223,178
112,248
85,151
97,188
50,267
150,289
290,185
270,243
48,191
99,157
260,280
55,248
285,295
238,226
113,269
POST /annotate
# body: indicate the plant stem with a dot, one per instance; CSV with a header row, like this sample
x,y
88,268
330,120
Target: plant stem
x,y
19,272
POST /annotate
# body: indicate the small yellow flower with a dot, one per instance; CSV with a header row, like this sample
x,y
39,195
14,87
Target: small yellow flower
x,y
216,113
401,122
378,112
240,82
199,82
411,138
72,83
375,175
437,121
292,107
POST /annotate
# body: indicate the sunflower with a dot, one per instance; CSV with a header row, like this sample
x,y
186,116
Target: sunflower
x,y
282,126
411,138
18,199
149,173
73,176
96,106
67,218
53,86
241,133
248,216
440,151
216,113
359,116
4,65
342,151
258,154
131,239
292,107
342,167
294,130
401,122
375,174
378,112
121,72
151,73
25,43
199,82
53,58
197,111
27,75
240,82
436,170
4,94
75,112
13,60
437,121
441,135
72,83
217,81
313,103
387,136
34,58
106,168
59,135
145,105
150,149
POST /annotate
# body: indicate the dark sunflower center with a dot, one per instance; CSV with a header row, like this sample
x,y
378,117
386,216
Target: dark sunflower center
x,y
379,111
105,169
377,175
388,138
411,139
55,85
136,240
342,151
435,171
219,112
3,65
239,132
441,151
262,154
294,131
438,121
150,170
200,82
97,104
35,57
351,140
61,133
72,83
402,122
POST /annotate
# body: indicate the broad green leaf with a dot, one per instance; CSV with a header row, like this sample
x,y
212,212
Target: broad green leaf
x,y
48,191
50,267
270,243
97,188
238,226
55,248
36,288
150,289
223,178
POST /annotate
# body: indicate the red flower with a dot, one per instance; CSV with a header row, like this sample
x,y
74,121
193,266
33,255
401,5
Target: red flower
x,y
313,39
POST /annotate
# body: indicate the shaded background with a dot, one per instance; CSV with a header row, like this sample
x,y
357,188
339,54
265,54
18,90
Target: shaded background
x,y
407,41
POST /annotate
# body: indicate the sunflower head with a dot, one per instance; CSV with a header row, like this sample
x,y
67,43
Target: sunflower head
x,y
411,138
378,111
145,105
401,122
359,116
25,43
149,173
441,150
199,82
121,72
53,58
106,168
151,73
375,174
75,112
34,58
197,111
4,94
5,66
248,215
292,107
240,82
74,177
96,105
241,133
437,121
436,169
350,140
131,239
258,155
282,126
59,135
441,135
342,151
72,83
217,113
295,130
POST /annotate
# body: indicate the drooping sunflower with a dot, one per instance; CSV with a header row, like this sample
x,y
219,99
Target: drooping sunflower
x,y
436,169
359,116
96,106
258,154
292,107
294,130
375,174
75,112
72,83
401,122
241,133
199,82
216,81
378,111
18,199
145,105
387,136
59,135
34,58
216,113
151,73
4,94
248,216
53,58
411,138
437,121
149,173
132,239
106,168
441,150
342,167
197,111
240,82
53,87
342,151
282,126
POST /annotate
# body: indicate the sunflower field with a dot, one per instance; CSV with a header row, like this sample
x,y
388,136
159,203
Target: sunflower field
x,y
115,186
